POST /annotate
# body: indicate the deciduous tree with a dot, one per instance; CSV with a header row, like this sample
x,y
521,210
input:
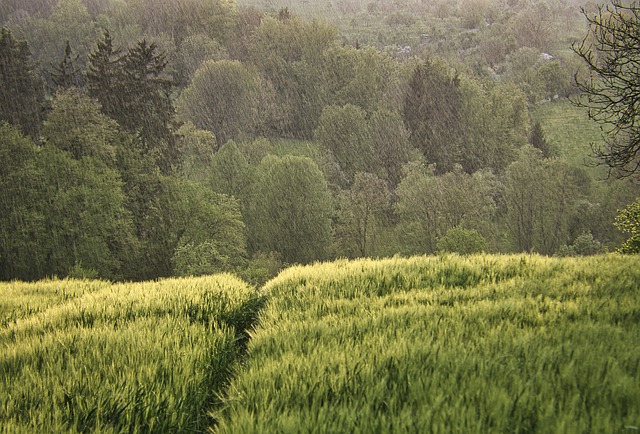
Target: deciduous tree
x,y
428,205
345,136
291,210
611,92
628,221
361,214
540,199
222,98
77,125
22,213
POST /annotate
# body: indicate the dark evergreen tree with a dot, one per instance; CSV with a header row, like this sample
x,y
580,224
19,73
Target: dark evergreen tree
x,y
147,108
67,74
21,90
104,77
432,114
134,91
537,140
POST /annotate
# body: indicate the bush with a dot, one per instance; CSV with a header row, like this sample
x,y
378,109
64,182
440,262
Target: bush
x,y
463,241
583,245
261,268
628,220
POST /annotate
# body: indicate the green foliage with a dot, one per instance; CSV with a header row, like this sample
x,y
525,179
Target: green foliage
x,y
202,232
222,98
21,90
362,77
628,221
197,149
59,211
391,145
22,206
181,18
432,114
147,357
77,125
86,218
48,35
538,140
539,76
495,124
446,344
194,50
229,172
453,119
540,200
583,245
290,210
428,205
66,73
463,241
344,134
261,268
288,54
270,80
361,213
134,90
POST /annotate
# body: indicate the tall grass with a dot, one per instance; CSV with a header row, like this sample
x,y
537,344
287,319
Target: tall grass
x,y
20,299
143,357
445,344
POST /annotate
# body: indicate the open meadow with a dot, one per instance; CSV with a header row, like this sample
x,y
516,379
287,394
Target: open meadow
x,y
485,343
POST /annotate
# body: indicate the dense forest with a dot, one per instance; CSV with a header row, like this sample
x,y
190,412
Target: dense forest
x,y
149,138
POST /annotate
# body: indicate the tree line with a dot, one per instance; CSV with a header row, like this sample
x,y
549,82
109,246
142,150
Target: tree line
x,y
262,140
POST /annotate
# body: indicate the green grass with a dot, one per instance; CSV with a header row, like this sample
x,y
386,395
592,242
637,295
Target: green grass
x,y
143,357
571,134
445,344
486,343
20,299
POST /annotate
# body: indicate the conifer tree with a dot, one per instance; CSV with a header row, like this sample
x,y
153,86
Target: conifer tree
x,y
66,74
21,90
103,75
538,140
134,91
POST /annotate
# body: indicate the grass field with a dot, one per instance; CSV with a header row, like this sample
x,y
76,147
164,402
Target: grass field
x,y
445,344
571,134
80,356
487,343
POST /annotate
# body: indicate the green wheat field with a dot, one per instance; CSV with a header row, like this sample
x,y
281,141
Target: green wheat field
x,y
486,343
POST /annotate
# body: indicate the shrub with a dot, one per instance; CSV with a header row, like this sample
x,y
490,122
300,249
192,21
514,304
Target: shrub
x,y
463,241
628,220
583,245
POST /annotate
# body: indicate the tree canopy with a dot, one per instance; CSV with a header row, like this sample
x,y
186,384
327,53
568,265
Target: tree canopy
x,y
612,90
